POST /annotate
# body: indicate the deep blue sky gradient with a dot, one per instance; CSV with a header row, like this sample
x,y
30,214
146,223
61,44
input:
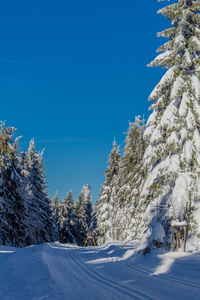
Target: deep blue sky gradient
x,y
72,74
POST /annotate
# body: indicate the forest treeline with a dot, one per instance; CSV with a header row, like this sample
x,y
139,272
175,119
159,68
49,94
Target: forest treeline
x,y
25,210
73,220
152,182
27,214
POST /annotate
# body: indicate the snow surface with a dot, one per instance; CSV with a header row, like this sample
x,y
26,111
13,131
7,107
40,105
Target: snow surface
x,y
177,223
113,271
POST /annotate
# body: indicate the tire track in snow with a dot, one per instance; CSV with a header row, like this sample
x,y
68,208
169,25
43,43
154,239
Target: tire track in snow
x,y
133,294
67,279
97,291
148,272
108,292
163,277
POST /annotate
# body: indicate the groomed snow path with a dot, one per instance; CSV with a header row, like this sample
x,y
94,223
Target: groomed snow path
x,y
56,271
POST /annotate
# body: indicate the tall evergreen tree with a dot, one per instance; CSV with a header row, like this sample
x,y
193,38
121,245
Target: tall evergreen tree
x,y
131,178
82,227
108,210
44,230
94,218
173,132
89,212
25,212
55,207
14,219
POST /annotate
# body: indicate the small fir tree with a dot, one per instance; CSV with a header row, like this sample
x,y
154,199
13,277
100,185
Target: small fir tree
x,y
108,211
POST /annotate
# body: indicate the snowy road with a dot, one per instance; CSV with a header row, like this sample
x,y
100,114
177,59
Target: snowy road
x,y
55,271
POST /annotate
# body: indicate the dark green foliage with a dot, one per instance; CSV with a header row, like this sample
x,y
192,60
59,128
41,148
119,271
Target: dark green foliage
x,y
68,220
25,212
88,212
43,231
82,227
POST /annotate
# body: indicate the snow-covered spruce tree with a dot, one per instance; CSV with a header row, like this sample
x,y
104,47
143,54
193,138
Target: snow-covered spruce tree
x,y
108,207
131,179
67,220
88,212
14,218
55,204
173,132
93,224
41,212
81,225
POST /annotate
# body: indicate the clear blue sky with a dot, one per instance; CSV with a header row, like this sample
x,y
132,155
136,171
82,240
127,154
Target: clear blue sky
x,y
72,74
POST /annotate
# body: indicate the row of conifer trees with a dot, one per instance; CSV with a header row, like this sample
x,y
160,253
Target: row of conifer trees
x,y
27,215
73,219
117,208
25,211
